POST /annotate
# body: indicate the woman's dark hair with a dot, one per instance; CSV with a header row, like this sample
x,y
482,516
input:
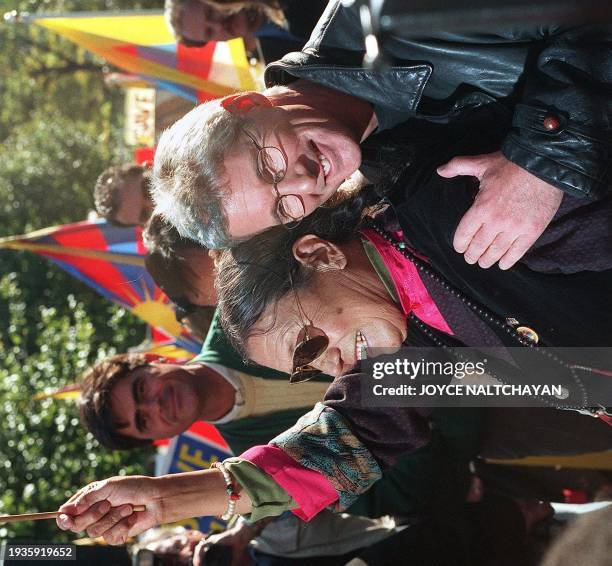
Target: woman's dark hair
x,y
162,238
165,260
260,271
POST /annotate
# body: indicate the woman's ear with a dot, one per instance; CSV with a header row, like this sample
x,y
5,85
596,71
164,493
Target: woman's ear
x,y
317,253
243,102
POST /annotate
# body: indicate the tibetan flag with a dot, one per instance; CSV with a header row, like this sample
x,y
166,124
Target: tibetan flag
x,y
110,259
140,43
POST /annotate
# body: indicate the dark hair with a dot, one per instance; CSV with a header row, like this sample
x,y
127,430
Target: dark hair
x,y
107,191
168,266
260,271
95,403
160,237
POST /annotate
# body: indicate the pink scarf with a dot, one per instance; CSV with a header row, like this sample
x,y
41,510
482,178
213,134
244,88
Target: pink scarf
x,y
412,293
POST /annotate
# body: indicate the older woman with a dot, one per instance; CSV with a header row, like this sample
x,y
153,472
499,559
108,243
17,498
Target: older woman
x,y
351,289
311,298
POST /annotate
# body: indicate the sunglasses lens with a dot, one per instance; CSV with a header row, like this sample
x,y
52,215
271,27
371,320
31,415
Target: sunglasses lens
x,y
309,350
305,373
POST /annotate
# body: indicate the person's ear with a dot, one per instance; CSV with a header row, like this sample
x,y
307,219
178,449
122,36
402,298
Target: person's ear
x,y
244,102
317,253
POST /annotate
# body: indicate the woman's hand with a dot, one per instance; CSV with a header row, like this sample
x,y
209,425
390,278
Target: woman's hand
x,y
105,508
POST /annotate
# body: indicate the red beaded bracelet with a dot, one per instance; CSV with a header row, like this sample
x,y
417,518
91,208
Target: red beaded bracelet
x,y
231,491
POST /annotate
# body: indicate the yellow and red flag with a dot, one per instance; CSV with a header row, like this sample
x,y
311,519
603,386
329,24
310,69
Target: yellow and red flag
x,y
110,259
140,43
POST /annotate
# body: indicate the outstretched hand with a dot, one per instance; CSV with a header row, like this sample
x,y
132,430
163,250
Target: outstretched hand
x,y
105,508
510,212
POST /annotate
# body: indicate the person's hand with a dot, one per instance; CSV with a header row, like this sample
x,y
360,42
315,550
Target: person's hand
x,y
510,212
105,508
237,538
177,549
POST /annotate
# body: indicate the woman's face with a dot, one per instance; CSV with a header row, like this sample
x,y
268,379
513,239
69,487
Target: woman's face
x,y
340,307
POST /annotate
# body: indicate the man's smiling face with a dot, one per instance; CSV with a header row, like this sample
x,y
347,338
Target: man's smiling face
x,y
320,153
155,401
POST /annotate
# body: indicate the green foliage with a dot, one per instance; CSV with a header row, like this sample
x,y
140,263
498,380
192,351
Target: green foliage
x,y
60,126
49,168
44,453
40,68
47,156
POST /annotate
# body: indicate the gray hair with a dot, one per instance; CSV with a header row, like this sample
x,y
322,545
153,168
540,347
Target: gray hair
x,y
187,184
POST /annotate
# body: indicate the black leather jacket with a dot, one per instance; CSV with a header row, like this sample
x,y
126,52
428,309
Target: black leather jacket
x,y
557,82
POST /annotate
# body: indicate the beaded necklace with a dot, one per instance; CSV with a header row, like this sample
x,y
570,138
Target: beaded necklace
x,y
484,314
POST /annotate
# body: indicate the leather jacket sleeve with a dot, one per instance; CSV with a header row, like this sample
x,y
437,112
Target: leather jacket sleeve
x,y
561,129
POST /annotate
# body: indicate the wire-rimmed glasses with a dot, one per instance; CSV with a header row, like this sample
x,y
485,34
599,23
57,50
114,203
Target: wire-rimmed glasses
x,y
272,168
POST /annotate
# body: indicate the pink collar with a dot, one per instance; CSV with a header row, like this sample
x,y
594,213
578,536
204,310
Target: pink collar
x,y
412,293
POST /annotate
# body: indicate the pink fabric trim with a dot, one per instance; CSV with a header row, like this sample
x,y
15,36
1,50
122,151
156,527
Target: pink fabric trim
x,y
413,294
311,490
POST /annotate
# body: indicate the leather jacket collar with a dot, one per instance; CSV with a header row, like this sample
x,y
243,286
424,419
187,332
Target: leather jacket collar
x,y
396,89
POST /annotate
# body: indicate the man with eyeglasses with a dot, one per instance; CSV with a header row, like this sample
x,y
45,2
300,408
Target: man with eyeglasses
x,y
552,131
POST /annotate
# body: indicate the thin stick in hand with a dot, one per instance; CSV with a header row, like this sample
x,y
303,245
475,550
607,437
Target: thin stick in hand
x,y
49,515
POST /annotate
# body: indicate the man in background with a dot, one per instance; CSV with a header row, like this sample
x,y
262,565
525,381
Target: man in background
x,y
270,28
121,195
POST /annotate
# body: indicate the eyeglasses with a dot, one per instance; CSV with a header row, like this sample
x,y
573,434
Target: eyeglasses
x,y
272,168
311,345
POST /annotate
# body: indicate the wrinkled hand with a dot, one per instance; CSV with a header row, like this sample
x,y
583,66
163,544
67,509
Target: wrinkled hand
x,y
510,212
104,508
